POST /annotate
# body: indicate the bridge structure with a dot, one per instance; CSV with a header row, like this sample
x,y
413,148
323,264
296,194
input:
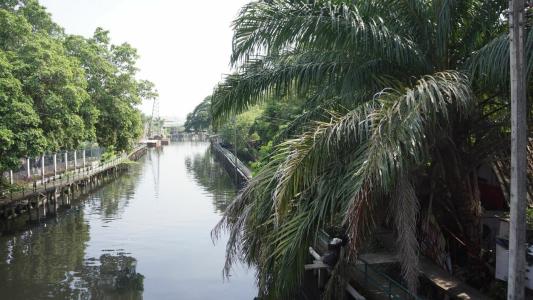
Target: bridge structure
x,y
43,197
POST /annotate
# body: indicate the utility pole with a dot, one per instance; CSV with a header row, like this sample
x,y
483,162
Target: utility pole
x,y
517,228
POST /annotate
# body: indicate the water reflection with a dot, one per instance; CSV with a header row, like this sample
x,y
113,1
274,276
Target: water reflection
x,y
35,260
49,261
115,278
145,235
111,200
212,177
154,157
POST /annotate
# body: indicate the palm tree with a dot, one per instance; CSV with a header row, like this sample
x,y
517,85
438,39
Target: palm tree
x,y
405,99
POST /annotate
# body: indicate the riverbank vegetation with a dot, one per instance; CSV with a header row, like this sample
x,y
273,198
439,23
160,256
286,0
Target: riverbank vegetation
x,y
58,91
373,114
253,131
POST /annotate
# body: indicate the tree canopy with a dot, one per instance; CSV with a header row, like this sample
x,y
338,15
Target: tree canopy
x,y
404,100
200,118
60,90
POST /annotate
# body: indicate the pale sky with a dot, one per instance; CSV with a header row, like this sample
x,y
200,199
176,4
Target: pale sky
x,y
184,45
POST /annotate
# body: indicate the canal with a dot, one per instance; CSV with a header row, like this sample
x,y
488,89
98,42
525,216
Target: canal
x,y
145,235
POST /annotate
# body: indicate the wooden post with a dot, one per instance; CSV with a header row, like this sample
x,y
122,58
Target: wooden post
x,y
28,167
83,154
56,201
42,168
517,228
55,164
66,161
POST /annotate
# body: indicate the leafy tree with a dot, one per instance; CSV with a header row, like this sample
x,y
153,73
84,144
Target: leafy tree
x,y
113,88
50,78
397,101
260,126
61,91
56,84
200,118
20,134
238,133
14,30
38,17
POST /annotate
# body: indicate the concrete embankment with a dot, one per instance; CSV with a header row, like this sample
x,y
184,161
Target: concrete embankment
x,y
238,171
45,198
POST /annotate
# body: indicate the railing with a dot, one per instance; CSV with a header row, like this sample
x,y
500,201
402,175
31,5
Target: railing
x,y
235,164
63,179
36,168
372,277
383,282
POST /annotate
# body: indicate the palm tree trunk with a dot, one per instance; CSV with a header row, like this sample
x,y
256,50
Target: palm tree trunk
x,y
464,193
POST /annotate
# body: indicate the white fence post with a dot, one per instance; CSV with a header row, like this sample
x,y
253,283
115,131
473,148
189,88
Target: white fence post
x,y
42,168
83,154
66,161
10,176
28,167
55,164
75,160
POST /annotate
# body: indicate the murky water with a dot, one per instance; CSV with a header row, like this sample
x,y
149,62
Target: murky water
x,y
145,235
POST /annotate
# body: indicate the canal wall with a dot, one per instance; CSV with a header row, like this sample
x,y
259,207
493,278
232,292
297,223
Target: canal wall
x,y
237,170
45,198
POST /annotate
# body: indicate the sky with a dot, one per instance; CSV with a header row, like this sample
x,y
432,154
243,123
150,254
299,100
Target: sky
x,y
184,45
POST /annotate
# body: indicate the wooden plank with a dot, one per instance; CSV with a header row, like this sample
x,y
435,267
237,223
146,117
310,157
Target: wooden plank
x,y
452,286
316,265
378,258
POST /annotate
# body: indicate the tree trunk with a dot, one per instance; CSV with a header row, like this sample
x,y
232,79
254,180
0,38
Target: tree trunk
x,y
464,193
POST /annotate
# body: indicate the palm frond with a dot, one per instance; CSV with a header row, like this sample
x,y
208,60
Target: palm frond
x,y
338,174
444,24
391,117
337,72
404,208
481,22
412,14
314,111
272,27
398,140
490,65
371,118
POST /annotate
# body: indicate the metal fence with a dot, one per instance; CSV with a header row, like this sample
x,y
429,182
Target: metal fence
x,y
71,176
374,277
36,168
